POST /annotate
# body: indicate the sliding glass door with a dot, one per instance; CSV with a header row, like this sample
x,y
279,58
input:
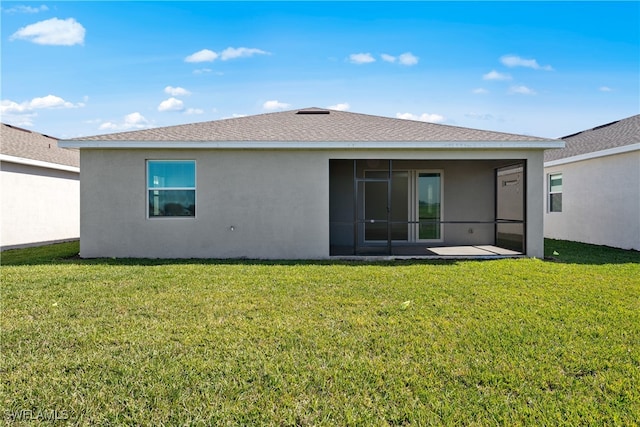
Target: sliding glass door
x,y
400,207
385,211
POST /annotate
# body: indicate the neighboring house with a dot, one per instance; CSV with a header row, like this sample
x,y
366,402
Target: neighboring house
x,y
593,186
311,184
40,189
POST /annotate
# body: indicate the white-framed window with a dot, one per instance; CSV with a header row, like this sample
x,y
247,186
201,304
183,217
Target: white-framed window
x,y
171,188
554,200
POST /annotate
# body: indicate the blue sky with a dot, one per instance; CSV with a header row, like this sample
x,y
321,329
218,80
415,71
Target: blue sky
x,y
538,68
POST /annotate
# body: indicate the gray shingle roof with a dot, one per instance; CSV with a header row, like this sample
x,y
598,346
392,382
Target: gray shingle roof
x,y
18,142
611,135
311,125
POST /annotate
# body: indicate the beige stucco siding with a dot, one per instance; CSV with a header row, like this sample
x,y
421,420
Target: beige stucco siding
x,y
534,205
39,205
600,201
276,201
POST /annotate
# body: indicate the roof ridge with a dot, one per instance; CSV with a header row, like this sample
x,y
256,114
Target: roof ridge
x,y
463,128
29,131
312,124
635,116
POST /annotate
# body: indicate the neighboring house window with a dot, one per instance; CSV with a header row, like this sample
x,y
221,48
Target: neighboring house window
x,y
555,192
171,188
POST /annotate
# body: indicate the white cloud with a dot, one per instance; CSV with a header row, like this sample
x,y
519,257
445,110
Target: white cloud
x,y
22,114
135,120
8,106
16,118
193,111
240,52
480,91
344,106
494,75
50,101
171,104
424,117
408,58
53,31
516,61
361,58
406,116
176,91
274,105
522,90
204,55
131,121
108,126
202,70
26,9
388,58
605,89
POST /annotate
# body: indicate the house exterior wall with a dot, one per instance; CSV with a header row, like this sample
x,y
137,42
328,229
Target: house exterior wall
x,y
533,206
39,205
468,195
600,201
270,204
276,202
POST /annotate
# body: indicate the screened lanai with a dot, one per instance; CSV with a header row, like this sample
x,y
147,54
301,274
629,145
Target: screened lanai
x,y
385,207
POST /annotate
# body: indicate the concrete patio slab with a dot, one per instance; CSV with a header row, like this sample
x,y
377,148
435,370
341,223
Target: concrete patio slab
x,y
460,251
498,251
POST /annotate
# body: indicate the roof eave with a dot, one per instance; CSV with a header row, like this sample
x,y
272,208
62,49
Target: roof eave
x,y
593,155
38,163
315,145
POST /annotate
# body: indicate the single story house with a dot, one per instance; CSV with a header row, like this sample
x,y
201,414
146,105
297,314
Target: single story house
x,y
40,189
577,206
311,184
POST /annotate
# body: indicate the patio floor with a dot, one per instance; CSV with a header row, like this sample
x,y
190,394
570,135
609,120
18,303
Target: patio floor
x,y
437,252
484,250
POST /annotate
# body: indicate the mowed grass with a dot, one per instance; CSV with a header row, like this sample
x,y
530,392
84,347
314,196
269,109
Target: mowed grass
x,y
143,342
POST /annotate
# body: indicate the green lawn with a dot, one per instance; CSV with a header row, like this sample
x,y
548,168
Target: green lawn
x,y
143,342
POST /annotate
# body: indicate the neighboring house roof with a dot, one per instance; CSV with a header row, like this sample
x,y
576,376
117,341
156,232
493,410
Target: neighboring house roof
x,y
613,135
312,125
18,143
